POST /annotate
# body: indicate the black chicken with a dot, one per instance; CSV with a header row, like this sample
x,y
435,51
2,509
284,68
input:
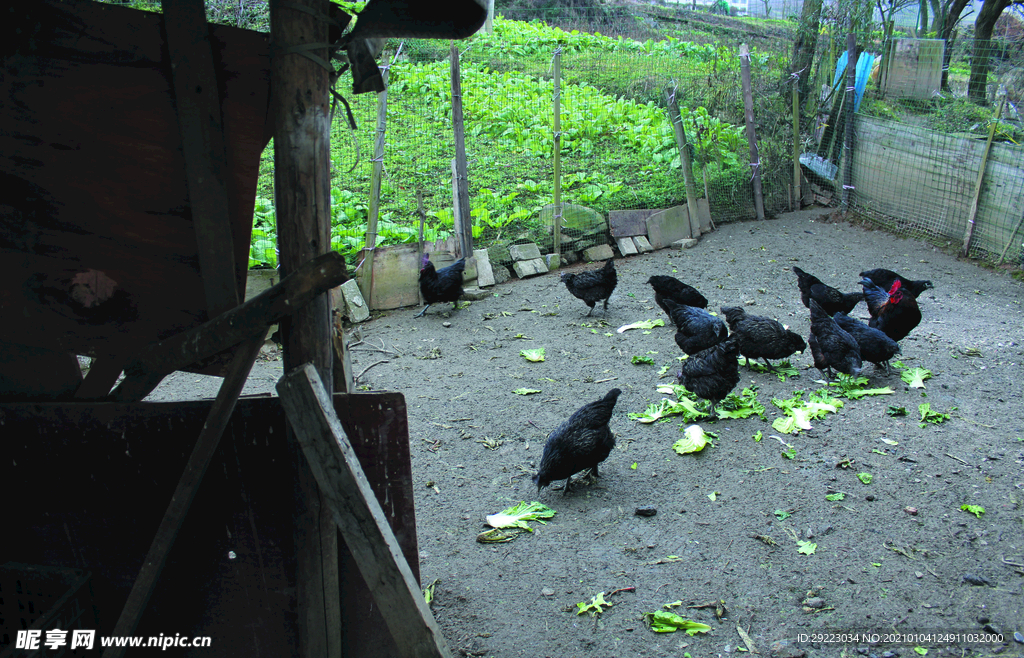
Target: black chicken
x,y
829,298
667,287
885,278
713,373
592,286
875,346
760,337
894,313
697,329
582,442
831,346
444,285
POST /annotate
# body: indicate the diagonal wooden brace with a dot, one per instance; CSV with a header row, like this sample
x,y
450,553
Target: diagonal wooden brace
x,y
358,515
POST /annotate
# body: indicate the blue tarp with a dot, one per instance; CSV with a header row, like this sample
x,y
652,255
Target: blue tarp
x,y
864,63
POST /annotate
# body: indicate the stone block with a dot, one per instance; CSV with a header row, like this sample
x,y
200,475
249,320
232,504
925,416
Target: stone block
x,y
356,309
520,252
553,261
685,243
532,267
704,215
626,246
484,273
627,223
643,245
501,274
667,226
570,257
576,220
498,254
474,294
599,252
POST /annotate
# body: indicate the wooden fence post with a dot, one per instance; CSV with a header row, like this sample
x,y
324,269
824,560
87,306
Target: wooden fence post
x,y
684,161
796,145
850,103
748,113
973,213
556,227
463,220
373,213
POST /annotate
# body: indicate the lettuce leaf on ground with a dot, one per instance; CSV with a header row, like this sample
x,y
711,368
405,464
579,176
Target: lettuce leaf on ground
x,y
517,515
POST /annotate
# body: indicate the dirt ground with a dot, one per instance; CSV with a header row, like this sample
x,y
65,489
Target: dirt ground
x,y
877,567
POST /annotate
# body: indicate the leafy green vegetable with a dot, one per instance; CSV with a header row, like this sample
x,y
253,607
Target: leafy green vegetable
x,y
782,515
853,387
594,606
666,407
642,359
921,651
526,391
713,496
663,621
976,510
645,324
533,355
694,439
866,478
839,495
782,369
806,547
757,436
428,593
915,376
740,406
929,416
894,410
789,452
517,515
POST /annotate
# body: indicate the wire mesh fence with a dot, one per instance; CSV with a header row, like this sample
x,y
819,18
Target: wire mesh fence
x,y
914,152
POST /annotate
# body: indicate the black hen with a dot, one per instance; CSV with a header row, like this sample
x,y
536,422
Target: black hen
x,y
667,287
592,286
829,298
713,373
444,285
875,346
885,278
582,442
697,329
894,313
760,337
831,346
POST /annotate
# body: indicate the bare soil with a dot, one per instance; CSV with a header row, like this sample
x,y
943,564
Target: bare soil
x,y
898,555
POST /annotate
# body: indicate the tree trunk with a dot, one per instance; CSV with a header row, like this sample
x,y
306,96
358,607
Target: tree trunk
x,y
981,59
950,18
803,47
923,27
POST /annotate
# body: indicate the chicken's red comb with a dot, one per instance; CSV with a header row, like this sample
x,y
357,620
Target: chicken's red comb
x,y
895,286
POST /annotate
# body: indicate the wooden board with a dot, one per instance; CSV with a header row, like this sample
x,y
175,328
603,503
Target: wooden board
x,y
97,242
100,476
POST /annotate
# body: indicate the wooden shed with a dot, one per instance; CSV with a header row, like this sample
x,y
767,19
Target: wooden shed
x,y
129,156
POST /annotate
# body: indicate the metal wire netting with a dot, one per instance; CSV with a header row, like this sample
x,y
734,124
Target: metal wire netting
x,y
617,147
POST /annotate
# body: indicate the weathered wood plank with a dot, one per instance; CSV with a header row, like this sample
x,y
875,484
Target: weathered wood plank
x,y
359,516
191,478
250,319
198,105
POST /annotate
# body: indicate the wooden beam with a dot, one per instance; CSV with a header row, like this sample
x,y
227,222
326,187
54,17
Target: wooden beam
x,y
358,515
300,104
556,157
102,376
973,212
684,161
249,320
748,114
850,103
463,220
197,99
191,478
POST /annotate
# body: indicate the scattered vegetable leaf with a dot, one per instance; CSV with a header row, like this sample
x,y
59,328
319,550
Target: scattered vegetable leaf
x,y
644,324
866,478
915,376
806,547
713,496
526,391
594,606
533,355
782,515
839,495
642,359
517,515
929,416
976,510
894,411
694,439
662,621
757,436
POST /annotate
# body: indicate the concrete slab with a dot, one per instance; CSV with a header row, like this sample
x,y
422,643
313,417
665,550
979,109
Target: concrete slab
x,y
528,251
599,252
533,267
704,215
484,273
627,223
626,246
685,243
667,226
354,306
396,274
475,294
643,245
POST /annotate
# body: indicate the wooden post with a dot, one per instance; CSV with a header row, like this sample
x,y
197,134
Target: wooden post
x,y
422,212
489,22
973,212
748,113
849,104
359,516
556,156
796,146
684,159
463,221
373,213
299,104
